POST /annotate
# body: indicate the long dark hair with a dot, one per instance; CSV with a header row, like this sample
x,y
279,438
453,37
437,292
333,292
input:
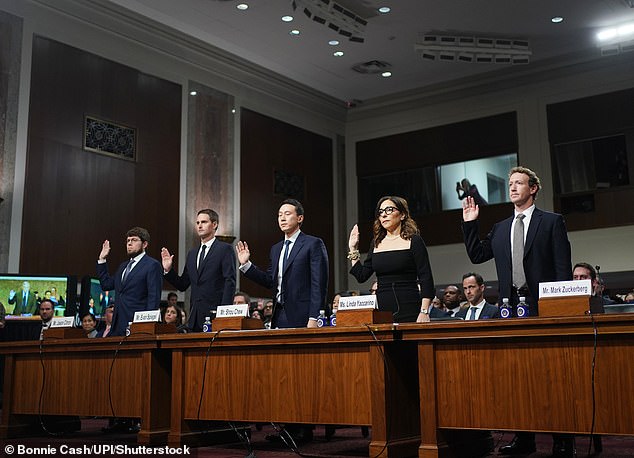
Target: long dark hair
x,y
408,225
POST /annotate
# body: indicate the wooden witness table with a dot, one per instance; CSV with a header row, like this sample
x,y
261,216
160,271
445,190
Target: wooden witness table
x,y
77,373
524,375
312,376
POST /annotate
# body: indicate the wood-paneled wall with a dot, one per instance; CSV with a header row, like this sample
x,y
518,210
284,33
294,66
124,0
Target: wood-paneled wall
x,y
74,199
268,145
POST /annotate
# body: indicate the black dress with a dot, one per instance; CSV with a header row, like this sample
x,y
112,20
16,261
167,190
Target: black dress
x,y
399,274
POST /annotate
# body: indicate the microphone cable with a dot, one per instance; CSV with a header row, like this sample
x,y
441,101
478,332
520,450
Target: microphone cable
x,y
41,398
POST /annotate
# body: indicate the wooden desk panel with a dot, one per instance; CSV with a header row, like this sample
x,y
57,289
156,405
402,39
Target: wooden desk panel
x,y
77,377
321,376
531,375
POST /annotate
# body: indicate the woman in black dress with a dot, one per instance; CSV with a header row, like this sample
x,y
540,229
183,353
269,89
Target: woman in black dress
x,y
399,258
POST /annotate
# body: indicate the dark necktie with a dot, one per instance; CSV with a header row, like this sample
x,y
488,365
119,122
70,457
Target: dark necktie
x,y
519,277
472,313
127,271
201,256
287,244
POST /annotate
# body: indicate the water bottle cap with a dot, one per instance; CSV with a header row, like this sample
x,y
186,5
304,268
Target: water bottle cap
x,y
522,298
505,300
322,311
207,318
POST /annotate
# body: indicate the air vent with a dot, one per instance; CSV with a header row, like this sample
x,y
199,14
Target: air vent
x,y
372,67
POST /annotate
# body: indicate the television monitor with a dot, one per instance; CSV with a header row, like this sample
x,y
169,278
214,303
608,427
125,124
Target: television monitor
x,y
485,179
22,294
92,298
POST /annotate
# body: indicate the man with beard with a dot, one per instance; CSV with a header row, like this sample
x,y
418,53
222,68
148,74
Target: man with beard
x,y
451,299
137,282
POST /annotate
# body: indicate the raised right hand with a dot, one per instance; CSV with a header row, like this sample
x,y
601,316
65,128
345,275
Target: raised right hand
x,y
470,210
242,249
167,259
353,240
105,250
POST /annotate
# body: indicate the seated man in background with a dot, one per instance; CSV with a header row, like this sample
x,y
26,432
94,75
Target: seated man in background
x,y
107,316
451,299
46,315
585,271
241,298
479,308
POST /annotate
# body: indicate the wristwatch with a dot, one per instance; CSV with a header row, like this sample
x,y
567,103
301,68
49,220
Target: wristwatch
x,y
424,311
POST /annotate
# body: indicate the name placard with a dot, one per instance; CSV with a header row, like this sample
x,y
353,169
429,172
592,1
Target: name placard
x,y
226,311
358,302
147,316
62,322
565,288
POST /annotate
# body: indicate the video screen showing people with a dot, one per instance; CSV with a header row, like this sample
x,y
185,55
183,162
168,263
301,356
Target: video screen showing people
x,y
486,180
93,298
21,295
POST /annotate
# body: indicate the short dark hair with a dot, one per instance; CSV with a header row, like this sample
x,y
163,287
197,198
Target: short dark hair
x,y
46,300
478,277
84,315
533,179
585,265
299,209
171,294
139,232
213,216
243,294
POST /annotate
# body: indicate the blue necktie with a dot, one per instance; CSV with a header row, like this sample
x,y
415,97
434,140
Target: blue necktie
x,y
127,271
472,313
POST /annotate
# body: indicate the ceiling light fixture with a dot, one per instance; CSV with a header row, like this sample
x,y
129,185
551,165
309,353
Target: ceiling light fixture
x,y
193,92
384,9
333,42
556,19
386,74
294,32
242,6
481,50
287,18
337,53
334,16
616,40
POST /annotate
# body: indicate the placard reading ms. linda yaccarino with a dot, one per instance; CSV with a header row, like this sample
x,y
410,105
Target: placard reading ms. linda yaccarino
x,y
225,311
358,302
565,288
147,316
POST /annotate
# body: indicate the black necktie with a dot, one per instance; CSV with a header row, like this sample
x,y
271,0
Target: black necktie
x,y
201,257
285,258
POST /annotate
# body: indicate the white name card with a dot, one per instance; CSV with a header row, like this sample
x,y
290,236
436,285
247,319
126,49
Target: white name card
x,y
226,311
565,288
358,302
147,316
62,322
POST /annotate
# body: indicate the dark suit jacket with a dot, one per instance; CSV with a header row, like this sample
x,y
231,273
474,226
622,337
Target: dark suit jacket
x,y
489,311
304,283
546,251
30,306
141,290
213,286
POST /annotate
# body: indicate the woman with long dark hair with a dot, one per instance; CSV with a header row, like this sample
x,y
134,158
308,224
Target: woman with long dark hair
x,y
398,256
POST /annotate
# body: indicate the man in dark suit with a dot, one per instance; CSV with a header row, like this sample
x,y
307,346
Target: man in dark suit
x,y
137,282
297,273
479,309
210,269
298,277
24,300
528,248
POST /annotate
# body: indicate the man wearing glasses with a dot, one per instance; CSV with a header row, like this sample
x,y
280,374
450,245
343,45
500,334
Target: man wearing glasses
x,y
137,282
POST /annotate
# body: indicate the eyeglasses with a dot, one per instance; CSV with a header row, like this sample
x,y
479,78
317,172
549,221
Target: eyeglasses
x,y
133,240
386,210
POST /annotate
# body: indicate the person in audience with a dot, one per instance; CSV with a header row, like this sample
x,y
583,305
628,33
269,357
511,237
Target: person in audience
x,y
46,315
91,306
24,300
399,258
172,299
585,271
107,316
89,325
241,298
3,313
173,314
435,302
374,287
137,282
267,313
629,297
451,299
210,270
105,299
479,309
256,314
335,303
528,248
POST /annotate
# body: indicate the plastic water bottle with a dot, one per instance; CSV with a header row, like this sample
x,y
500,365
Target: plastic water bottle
x,y
207,324
322,320
505,309
522,308
127,329
333,318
